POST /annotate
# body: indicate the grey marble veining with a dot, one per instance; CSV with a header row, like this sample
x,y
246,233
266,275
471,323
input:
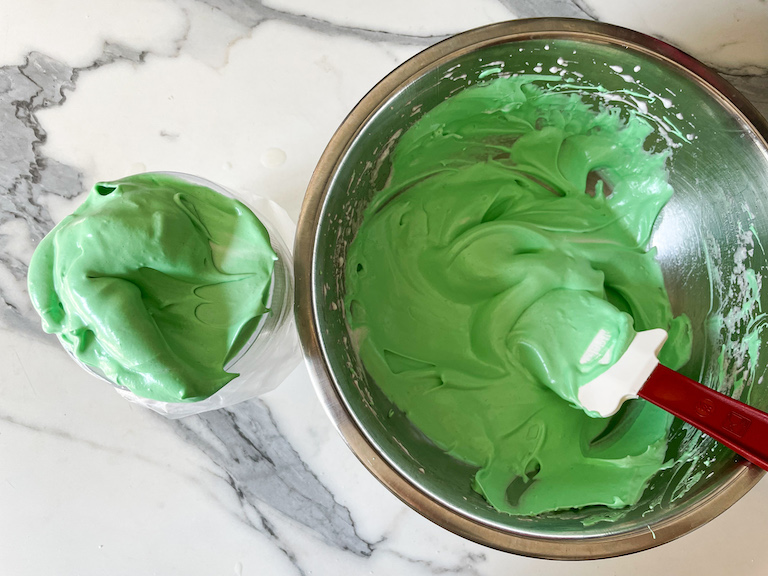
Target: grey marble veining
x,y
25,172
560,8
754,87
262,467
251,13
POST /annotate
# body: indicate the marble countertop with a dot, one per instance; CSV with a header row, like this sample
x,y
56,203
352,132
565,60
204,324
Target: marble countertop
x,y
245,93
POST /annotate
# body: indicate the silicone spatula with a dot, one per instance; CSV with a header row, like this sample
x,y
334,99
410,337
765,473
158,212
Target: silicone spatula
x,y
738,426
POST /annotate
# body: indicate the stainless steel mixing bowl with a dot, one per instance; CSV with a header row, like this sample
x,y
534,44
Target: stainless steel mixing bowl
x,y
707,236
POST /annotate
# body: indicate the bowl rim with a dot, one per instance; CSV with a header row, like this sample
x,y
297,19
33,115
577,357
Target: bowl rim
x,y
426,504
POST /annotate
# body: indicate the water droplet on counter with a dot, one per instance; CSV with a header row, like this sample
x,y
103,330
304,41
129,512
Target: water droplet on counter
x,y
273,158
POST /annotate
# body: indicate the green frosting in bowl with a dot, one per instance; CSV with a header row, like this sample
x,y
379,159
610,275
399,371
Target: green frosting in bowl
x,y
507,255
156,283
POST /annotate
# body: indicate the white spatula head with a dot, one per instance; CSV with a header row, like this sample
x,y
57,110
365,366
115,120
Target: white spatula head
x,y
621,382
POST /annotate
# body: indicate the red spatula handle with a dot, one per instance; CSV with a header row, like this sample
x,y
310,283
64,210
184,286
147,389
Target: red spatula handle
x,y
741,428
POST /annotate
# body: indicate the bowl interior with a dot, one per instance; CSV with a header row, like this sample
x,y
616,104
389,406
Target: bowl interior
x,y
708,242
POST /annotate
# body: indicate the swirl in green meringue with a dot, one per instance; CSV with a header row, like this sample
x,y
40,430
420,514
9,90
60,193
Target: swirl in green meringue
x,y
513,230
155,282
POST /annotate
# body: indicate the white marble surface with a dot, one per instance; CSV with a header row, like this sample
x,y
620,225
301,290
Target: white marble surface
x,y
245,93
